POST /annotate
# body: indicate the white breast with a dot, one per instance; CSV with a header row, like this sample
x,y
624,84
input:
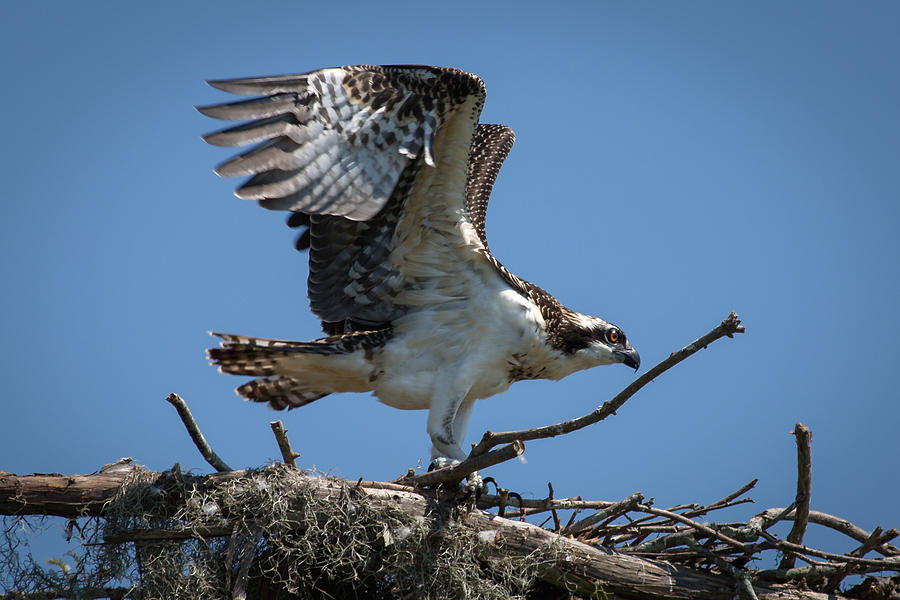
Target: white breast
x,y
465,343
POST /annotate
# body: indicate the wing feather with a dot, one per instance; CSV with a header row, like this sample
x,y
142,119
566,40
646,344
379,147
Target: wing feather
x,y
378,119
255,108
490,146
270,128
342,149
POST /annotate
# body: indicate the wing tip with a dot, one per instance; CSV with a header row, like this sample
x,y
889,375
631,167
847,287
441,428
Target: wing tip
x,y
259,85
226,85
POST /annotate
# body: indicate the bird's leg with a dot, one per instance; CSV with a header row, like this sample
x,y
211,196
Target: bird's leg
x,y
445,448
460,425
447,424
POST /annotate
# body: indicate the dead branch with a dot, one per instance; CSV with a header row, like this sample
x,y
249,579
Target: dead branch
x,y
703,529
804,483
453,474
191,425
619,508
284,444
838,524
727,328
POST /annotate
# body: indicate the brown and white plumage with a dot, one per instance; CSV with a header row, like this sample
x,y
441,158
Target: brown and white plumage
x,y
388,173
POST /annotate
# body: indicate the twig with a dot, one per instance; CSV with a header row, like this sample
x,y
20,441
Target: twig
x,y
728,327
880,541
742,580
616,510
885,563
552,510
838,524
284,444
808,573
804,483
707,531
533,507
639,527
835,580
724,502
191,425
248,555
456,473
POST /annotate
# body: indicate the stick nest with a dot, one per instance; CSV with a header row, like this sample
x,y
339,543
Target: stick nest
x,y
268,534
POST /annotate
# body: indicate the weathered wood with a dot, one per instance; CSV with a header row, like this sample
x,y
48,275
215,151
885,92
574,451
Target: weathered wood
x,y
578,566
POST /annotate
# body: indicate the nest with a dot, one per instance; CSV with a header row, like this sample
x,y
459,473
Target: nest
x,y
269,534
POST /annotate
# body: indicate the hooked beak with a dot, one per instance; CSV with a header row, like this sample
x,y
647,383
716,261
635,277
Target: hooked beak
x,y
629,357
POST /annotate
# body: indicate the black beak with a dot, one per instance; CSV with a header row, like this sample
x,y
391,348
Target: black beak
x,y
630,357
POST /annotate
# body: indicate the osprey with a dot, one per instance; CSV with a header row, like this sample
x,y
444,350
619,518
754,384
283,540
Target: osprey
x,y
388,172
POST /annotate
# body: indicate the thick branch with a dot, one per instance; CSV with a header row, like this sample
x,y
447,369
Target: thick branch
x,y
78,495
728,327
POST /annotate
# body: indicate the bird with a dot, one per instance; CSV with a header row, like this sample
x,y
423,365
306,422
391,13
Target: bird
x,y
386,172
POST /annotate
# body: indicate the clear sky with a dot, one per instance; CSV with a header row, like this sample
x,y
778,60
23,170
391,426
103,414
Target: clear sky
x,y
674,162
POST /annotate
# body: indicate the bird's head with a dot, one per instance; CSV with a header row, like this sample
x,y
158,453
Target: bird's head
x,y
591,341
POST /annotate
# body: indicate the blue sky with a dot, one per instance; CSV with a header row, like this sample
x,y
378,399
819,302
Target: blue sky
x,y
674,162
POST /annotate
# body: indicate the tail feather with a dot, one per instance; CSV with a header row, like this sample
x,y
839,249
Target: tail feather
x,y
280,392
243,355
291,374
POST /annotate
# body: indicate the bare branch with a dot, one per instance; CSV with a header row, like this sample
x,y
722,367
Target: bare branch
x,y
706,531
284,444
835,580
456,473
838,524
804,484
617,509
727,328
724,502
191,425
532,506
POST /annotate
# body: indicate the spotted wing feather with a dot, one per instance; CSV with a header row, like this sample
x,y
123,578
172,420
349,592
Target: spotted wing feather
x,y
342,148
490,146
336,141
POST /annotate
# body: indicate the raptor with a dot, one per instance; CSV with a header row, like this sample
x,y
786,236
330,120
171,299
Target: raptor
x,y
387,173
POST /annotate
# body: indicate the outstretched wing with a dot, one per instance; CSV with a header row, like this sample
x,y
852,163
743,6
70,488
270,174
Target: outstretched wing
x,y
335,141
346,149
490,146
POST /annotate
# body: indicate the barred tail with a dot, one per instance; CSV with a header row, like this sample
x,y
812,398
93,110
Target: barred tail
x,y
292,374
280,392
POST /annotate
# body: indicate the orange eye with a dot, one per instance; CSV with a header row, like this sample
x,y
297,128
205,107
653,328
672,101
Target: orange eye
x,y
613,335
